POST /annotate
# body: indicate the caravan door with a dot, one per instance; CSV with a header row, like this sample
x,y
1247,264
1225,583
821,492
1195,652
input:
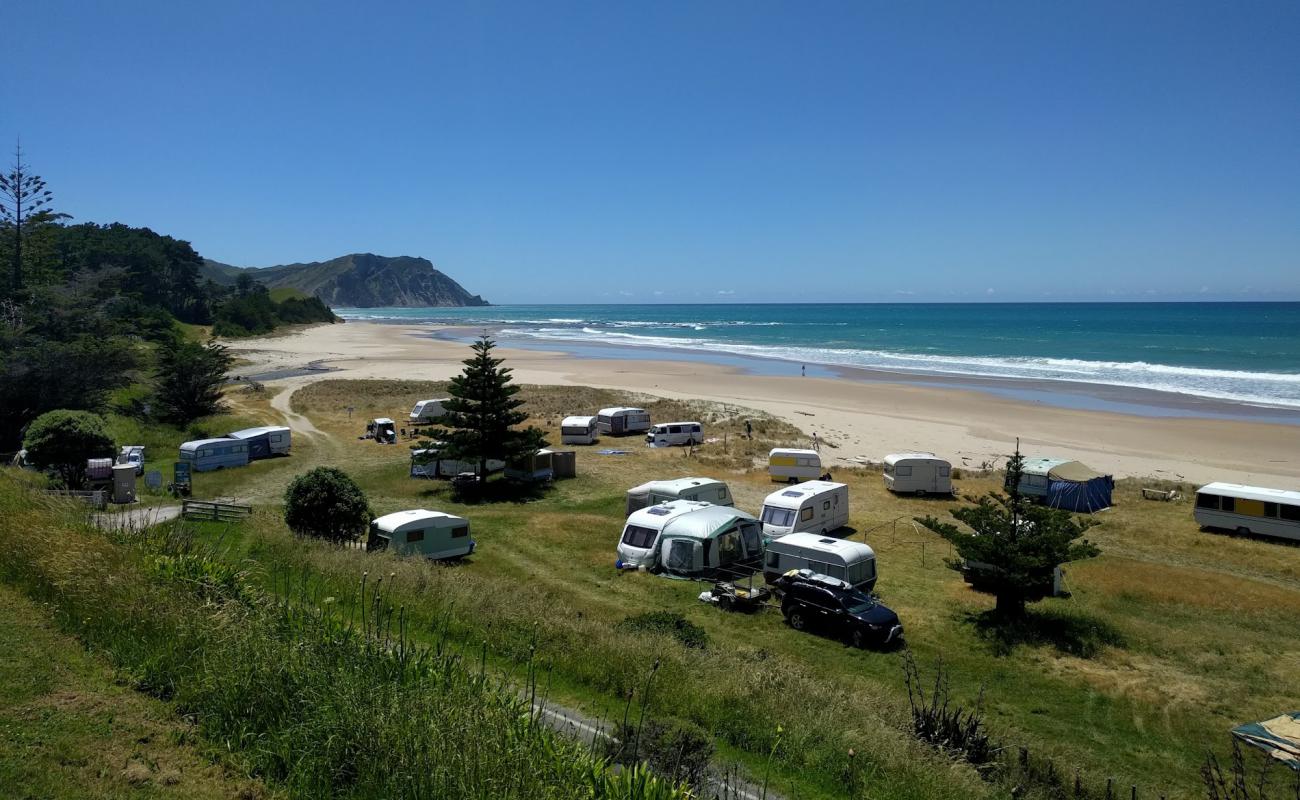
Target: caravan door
x,y
681,556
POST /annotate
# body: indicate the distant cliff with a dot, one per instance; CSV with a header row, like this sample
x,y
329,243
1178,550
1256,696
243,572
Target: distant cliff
x,y
360,280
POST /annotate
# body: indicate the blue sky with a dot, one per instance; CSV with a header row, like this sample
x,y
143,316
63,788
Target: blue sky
x,y
588,152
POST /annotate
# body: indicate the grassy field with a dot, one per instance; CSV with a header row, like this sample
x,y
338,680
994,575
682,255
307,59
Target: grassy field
x,y
1171,637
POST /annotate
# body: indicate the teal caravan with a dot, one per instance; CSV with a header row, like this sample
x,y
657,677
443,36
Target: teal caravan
x,y
272,440
205,455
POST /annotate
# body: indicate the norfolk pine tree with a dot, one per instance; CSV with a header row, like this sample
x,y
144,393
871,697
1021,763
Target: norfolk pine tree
x,y
1017,543
482,415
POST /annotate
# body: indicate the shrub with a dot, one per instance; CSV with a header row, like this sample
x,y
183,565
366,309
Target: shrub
x,y
326,504
678,750
59,442
680,628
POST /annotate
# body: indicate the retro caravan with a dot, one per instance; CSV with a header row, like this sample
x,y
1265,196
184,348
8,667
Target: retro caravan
x,y
690,539
579,430
820,506
788,465
205,455
707,490
847,560
620,421
264,442
426,411
431,534
917,473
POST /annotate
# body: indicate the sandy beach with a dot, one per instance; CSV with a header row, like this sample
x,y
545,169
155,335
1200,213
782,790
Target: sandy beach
x,y
853,418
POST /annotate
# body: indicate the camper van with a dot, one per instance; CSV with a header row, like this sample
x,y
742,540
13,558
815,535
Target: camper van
x,y
205,455
1249,509
579,430
427,411
918,474
669,434
622,421
273,440
849,561
420,532
687,538
787,465
427,464
819,506
132,454
705,490
382,430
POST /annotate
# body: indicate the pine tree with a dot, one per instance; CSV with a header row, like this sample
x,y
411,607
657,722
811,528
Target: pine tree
x,y
1014,545
482,417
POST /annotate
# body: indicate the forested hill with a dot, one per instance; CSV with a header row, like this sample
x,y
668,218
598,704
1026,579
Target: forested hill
x,y
359,280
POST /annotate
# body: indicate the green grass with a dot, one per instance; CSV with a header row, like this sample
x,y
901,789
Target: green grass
x,y
286,293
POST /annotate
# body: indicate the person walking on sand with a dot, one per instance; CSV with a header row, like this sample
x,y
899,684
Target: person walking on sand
x,y
817,443
749,430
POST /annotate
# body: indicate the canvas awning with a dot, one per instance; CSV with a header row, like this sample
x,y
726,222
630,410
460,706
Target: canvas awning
x,y
1279,737
1073,471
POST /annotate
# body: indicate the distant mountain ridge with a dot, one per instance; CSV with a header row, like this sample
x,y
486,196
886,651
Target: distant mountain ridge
x,y
358,280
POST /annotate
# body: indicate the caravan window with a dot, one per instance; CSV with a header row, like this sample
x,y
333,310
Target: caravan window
x,y
835,571
778,517
637,536
1291,513
1207,501
460,532
861,571
1270,509
750,533
943,472
1228,504
806,514
722,493
414,536
826,505
773,558
729,547
902,471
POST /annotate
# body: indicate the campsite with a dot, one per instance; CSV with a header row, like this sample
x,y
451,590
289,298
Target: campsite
x,y
1152,651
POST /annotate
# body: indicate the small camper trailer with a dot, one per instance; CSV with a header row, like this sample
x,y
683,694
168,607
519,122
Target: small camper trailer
x,y
132,454
621,421
691,539
669,434
536,468
849,561
431,534
205,455
272,440
706,490
820,506
579,430
382,430
787,465
426,411
1068,485
918,474
1249,509
427,464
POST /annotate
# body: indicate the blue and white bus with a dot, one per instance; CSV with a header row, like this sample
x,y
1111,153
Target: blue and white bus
x,y
1249,509
205,455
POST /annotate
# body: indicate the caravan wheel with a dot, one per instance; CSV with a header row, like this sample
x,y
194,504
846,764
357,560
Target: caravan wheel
x,y
920,493
1243,531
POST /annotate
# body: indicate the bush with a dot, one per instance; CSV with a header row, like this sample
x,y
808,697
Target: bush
x,y
680,628
326,504
678,750
59,442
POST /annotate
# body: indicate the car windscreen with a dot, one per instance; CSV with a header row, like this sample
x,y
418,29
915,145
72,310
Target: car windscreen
x,y
858,603
778,517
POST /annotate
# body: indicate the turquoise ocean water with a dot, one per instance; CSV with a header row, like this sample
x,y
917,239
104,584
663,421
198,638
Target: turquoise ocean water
x,y
1238,352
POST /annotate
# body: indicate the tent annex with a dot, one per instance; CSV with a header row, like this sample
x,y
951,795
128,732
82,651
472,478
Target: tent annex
x,y
1064,484
690,539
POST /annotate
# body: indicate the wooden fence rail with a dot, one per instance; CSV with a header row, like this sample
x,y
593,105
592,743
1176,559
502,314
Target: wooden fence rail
x,y
217,512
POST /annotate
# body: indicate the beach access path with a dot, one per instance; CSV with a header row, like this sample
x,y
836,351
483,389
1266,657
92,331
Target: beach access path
x,y
852,418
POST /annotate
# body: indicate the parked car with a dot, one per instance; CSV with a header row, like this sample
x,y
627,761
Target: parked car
x,y
819,602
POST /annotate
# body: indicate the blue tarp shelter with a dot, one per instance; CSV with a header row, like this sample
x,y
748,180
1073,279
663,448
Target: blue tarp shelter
x,y
1279,737
1069,485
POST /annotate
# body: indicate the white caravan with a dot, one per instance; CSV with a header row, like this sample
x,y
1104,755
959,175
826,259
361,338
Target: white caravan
x,y
849,561
426,411
691,539
431,534
705,490
428,464
819,506
917,473
579,430
787,465
668,434
620,421
1249,509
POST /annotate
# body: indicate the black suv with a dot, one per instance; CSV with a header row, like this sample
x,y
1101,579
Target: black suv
x,y
818,601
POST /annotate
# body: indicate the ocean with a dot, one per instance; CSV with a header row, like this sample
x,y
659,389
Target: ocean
x,y
1247,353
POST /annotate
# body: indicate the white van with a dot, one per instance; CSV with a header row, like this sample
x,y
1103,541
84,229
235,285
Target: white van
x,y
132,454
431,534
917,473
690,539
820,506
787,465
579,430
849,561
668,434
706,490
620,421
426,411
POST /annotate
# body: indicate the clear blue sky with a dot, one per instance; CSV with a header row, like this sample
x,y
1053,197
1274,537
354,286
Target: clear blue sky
x,y
550,152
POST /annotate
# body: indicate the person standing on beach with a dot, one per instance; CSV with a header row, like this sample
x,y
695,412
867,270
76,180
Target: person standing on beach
x,y
749,430
817,443
803,370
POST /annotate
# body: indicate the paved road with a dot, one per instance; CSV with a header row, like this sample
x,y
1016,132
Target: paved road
x,y
135,519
